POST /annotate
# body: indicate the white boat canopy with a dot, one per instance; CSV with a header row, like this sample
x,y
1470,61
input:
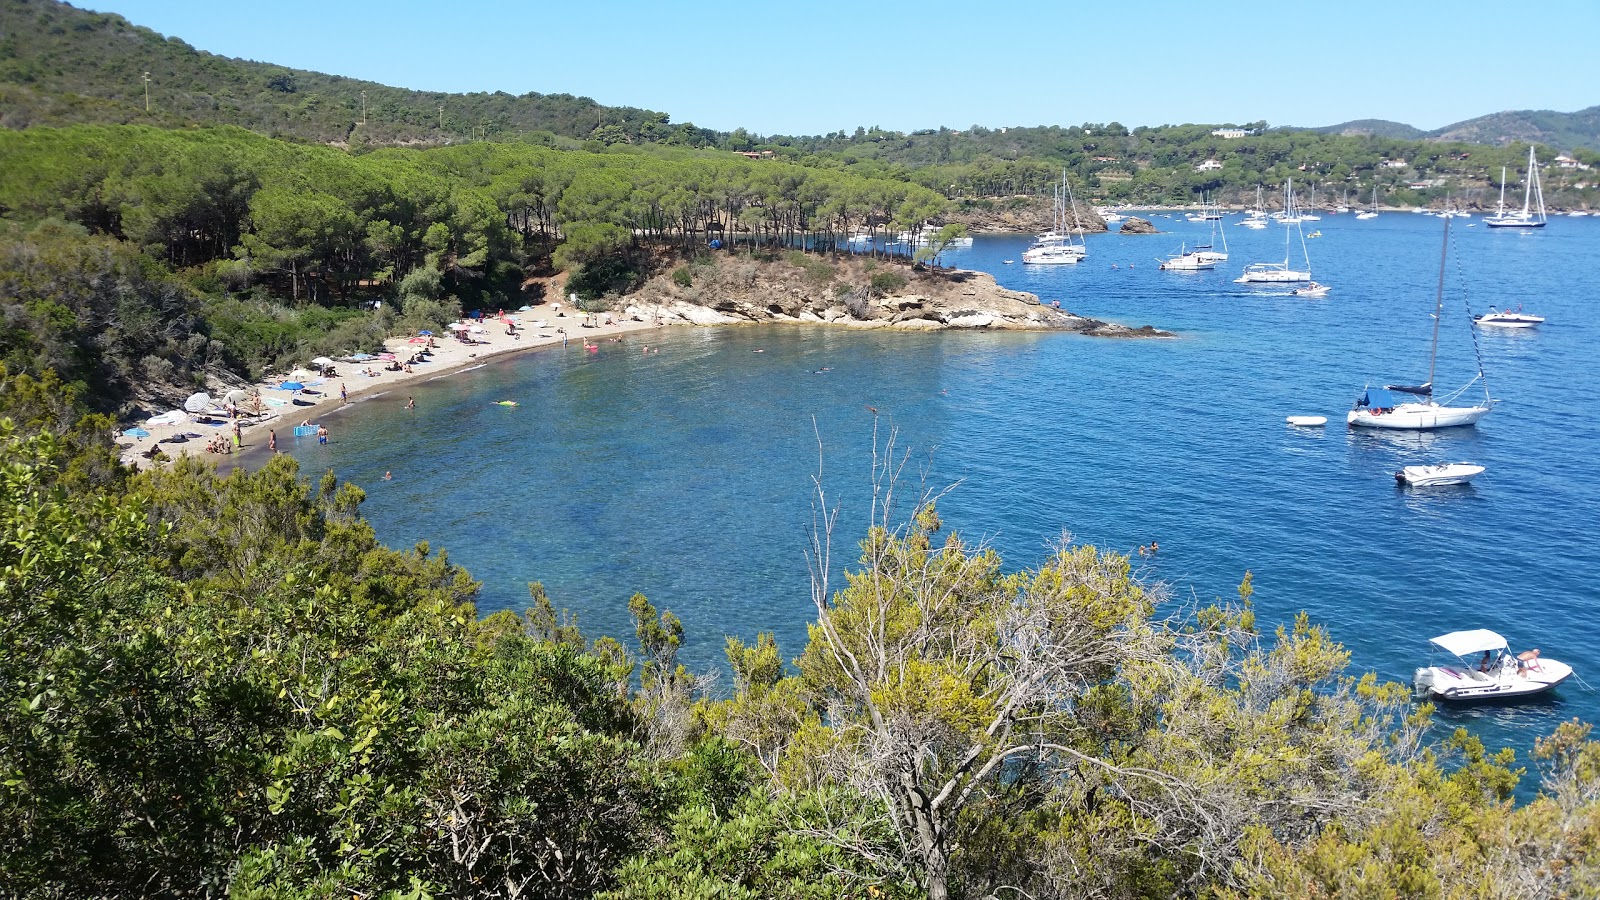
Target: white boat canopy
x,y
1463,643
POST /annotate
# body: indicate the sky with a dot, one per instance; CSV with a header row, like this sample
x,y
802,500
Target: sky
x,y
814,68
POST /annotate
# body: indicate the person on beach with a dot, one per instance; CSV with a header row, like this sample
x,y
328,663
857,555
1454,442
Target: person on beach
x,y
344,396
411,403
272,440
322,434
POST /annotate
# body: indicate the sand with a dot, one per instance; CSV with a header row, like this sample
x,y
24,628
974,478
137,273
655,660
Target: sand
x,y
449,355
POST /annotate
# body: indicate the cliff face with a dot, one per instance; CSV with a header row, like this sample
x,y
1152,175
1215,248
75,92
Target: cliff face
x,y
803,289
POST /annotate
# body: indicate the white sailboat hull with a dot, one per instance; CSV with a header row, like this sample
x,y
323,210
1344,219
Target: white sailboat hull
x,y
1416,417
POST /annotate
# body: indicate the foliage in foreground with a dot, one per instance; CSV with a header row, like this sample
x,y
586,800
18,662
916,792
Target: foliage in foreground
x,y
224,685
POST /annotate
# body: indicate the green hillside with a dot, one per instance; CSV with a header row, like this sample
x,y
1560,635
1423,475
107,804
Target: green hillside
x,y
1375,127
60,65
1567,131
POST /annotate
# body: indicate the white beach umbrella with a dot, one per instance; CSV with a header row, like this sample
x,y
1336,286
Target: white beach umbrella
x,y
457,326
322,361
235,395
197,402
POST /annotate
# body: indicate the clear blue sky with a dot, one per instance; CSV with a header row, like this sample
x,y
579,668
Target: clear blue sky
x,y
810,68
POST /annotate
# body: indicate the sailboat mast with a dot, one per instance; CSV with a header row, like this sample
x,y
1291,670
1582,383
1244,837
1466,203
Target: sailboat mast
x,y
1502,210
1438,305
1527,183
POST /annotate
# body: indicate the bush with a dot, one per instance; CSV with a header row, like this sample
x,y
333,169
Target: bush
x,y
887,282
681,277
612,275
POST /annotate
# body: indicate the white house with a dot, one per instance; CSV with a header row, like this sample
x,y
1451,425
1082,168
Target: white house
x,y
1209,165
1393,164
1229,134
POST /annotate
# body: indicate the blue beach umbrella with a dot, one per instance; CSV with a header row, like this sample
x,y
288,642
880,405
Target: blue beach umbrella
x,y
136,433
426,333
291,386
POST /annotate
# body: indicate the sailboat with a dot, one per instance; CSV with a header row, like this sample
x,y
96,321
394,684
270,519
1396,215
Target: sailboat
x,y
1532,191
1373,212
1280,273
1055,247
1187,261
1256,218
1417,410
1208,252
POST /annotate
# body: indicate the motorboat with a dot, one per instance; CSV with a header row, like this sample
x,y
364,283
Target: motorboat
x,y
1306,421
1412,407
1497,675
1187,261
1532,214
1312,289
1436,475
1506,318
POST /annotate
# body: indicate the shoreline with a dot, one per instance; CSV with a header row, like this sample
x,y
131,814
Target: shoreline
x,y
449,356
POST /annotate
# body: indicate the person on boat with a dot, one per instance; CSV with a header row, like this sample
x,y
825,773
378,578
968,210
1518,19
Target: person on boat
x,y
1484,664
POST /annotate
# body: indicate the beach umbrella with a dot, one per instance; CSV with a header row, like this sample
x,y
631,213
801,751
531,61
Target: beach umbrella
x,y
417,341
235,395
136,433
322,361
477,329
360,357
197,402
291,386
457,326
425,333
386,356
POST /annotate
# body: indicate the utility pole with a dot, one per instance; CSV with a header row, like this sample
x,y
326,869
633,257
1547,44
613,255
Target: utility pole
x,y
363,109
147,92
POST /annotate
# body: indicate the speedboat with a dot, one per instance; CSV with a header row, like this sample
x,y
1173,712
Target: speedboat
x,y
1187,261
1433,476
1312,289
1497,675
1506,318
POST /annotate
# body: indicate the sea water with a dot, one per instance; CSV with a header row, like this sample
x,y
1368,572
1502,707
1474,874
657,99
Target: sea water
x,y
688,473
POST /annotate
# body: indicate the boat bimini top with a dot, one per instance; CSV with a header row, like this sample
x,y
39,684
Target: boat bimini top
x,y
1465,643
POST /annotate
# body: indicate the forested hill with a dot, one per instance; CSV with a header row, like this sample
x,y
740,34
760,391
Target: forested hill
x,y
1567,131
61,65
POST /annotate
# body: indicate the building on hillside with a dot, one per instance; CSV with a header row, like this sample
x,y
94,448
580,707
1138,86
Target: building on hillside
x,y
752,154
1229,134
1566,162
1209,165
1393,164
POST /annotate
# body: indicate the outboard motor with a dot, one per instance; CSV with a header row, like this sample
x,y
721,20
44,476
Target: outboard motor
x,y
1422,683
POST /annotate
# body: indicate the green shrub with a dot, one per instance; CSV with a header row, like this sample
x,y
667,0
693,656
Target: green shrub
x,y
887,282
681,277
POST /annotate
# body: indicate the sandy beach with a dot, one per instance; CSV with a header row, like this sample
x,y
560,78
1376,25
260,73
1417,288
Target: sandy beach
x,y
537,328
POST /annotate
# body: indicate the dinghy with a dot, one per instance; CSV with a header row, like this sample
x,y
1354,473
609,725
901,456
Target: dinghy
x,y
1497,675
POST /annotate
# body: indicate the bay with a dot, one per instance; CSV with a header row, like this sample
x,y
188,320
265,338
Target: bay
x,y
685,473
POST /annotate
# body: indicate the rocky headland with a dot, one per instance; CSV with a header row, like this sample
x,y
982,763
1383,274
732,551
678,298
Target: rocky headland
x,y
1136,225
851,293
1020,215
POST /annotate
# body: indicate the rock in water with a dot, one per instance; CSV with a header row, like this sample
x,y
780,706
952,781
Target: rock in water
x,y
1135,225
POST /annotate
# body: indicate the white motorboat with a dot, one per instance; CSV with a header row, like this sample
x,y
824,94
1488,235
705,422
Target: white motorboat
x,y
1506,318
1436,475
1531,216
1312,289
1187,261
1417,410
1497,675
1306,421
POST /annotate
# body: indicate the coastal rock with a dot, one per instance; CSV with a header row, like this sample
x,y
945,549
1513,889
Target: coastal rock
x,y
728,289
1021,215
1136,225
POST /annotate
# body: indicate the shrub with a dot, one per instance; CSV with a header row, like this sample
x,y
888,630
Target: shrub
x,y
681,277
887,282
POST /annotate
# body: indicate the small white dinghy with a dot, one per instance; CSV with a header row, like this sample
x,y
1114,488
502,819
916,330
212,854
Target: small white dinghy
x,y
1443,473
1307,421
1496,675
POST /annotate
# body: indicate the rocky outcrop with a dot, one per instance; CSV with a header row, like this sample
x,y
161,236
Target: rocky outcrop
x,y
808,290
1020,215
1136,225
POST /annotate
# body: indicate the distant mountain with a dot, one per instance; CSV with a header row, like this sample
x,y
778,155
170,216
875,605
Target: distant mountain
x,y
1565,131
62,65
1375,128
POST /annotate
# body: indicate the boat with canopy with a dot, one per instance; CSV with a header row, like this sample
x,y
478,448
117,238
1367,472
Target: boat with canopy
x,y
1497,674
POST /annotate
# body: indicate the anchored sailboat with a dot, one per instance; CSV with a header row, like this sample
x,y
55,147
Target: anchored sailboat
x,y
1409,407
1532,215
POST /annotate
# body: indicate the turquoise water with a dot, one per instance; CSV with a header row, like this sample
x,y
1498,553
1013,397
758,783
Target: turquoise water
x,y
685,474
